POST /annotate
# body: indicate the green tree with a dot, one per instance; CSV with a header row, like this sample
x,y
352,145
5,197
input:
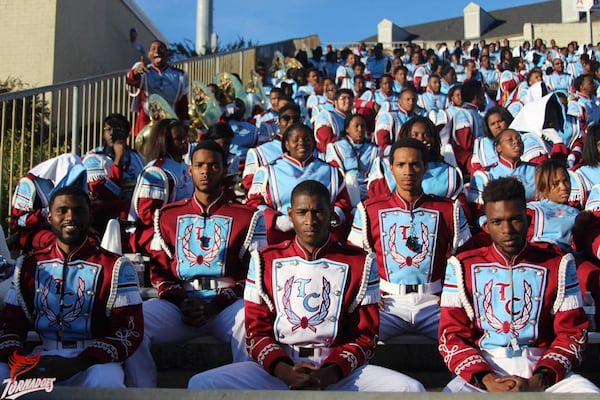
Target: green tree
x,y
24,141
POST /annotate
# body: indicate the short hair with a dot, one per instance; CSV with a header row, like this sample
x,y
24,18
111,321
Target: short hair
x,y
453,89
407,88
434,154
412,144
590,147
504,189
544,174
311,188
498,138
359,64
289,106
386,76
340,92
72,190
504,113
116,120
276,90
470,89
349,119
219,130
579,80
160,42
285,97
210,145
290,129
400,68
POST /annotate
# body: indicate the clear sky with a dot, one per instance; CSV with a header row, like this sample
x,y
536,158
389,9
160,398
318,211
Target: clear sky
x,y
335,21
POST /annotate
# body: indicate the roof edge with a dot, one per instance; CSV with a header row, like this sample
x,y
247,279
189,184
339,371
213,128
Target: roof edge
x,y
138,12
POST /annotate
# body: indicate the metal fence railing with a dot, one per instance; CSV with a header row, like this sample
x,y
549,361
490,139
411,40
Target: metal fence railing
x,y
42,123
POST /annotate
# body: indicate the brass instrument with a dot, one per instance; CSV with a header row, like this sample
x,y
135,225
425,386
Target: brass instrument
x,y
277,65
204,109
158,109
292,63
256,92
232,88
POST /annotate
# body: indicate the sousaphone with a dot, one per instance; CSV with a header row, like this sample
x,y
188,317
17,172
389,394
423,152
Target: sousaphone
x,y
158,109
256,92
204,109
278,65
292,63
232,88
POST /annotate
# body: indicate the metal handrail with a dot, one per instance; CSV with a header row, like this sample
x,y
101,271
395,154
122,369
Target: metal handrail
x,y
37,124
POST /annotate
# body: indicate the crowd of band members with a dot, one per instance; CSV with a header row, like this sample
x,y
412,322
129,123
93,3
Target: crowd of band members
x,y
404,144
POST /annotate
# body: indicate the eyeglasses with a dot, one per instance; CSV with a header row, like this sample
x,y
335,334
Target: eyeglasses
x,y
288,118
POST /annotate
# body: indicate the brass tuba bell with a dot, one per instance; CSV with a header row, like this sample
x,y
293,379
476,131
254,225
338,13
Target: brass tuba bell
x,y
232,88
278,65
256,92
204,109
158,109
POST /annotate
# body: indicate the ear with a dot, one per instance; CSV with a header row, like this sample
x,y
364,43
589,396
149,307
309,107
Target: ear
x,y
289,210
485,227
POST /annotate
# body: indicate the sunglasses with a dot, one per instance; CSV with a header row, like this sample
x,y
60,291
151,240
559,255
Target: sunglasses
x,y
288,118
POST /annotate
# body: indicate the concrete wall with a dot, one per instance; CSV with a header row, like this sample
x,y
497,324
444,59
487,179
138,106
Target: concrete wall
x,y
92,38
49,41
27,32
562,33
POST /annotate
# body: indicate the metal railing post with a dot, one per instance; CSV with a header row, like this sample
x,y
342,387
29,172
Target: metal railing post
x,y
75,136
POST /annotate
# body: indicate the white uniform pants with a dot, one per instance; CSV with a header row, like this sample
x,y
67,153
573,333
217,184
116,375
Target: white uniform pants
x,y
523,366
163,324
251,376
109,375
409,313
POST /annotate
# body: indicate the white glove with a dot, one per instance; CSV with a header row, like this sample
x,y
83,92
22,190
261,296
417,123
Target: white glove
x,y
551,135
283,223
571,160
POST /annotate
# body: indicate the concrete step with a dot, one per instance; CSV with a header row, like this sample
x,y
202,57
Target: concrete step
x,y
178,362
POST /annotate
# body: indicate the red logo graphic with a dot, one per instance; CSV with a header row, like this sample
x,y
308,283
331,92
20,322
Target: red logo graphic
x,y
20,365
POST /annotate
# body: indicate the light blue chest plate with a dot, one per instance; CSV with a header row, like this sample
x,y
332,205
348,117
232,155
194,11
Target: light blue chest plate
x,y
184,187
485,151
357,158
79,292
405,263
525,173
507,302
441,179
284,176
553,223
269,152
202,245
